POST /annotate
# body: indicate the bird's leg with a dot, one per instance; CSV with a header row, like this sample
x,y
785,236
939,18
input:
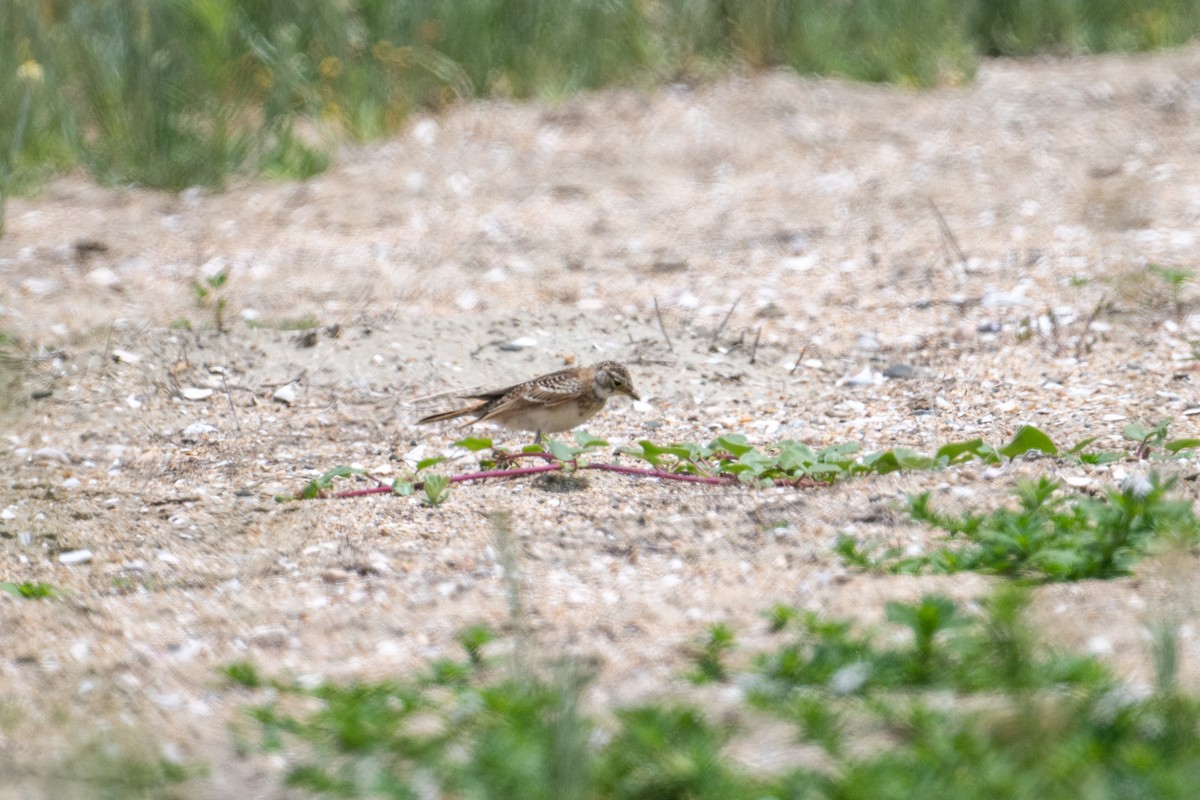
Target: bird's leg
x,y
540,439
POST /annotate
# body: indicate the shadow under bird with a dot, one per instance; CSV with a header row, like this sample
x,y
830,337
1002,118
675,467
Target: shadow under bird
x,y
549,403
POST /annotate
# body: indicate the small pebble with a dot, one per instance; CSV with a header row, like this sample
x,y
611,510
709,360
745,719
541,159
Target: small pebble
x,y
72,557
50,455
867,377
285,394
125,356
196,431
522,343
104,278
269,636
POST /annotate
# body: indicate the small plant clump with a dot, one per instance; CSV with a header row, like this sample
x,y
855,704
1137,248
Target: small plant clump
x,y
709,659
1050,536
208,295
1150,441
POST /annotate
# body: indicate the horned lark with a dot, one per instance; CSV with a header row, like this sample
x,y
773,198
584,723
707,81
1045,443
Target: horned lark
x,y
549,403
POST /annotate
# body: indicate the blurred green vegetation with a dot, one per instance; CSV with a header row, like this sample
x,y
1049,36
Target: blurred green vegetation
x,y
966,705
174,93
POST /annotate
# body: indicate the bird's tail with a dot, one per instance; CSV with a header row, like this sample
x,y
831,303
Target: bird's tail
x,y
455,414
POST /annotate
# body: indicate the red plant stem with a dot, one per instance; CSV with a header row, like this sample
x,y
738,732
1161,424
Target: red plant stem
x,y
497,473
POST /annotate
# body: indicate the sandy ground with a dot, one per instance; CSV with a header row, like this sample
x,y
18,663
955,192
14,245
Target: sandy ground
x,y
503,240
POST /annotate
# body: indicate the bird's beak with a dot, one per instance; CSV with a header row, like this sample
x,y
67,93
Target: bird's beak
x,y
633,394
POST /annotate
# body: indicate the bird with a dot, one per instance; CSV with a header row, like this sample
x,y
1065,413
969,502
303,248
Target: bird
x,y
551,403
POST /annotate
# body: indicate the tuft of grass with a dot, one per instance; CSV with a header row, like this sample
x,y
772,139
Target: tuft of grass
x,y
921,43
1024,27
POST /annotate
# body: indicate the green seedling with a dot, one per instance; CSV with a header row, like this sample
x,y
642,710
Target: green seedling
x,y
710,665
779,617
244,674
321,485
208,296
1176,281
437,490
1148,440
473,640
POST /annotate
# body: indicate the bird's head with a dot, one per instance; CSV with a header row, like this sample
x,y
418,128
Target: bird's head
x,y
613,378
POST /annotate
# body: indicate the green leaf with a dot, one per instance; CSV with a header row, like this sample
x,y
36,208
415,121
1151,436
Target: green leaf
x,y
326,478
324,481
823,469
426,463
897,458
402,488
835,453
474,443
587,440
653,453
1175,445
756,461
1029,438
1077,448
954,452
732,443
1105,457
795,456
561,450
1136,432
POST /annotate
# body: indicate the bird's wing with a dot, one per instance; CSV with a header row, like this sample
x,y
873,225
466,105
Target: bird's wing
x,y
548,390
